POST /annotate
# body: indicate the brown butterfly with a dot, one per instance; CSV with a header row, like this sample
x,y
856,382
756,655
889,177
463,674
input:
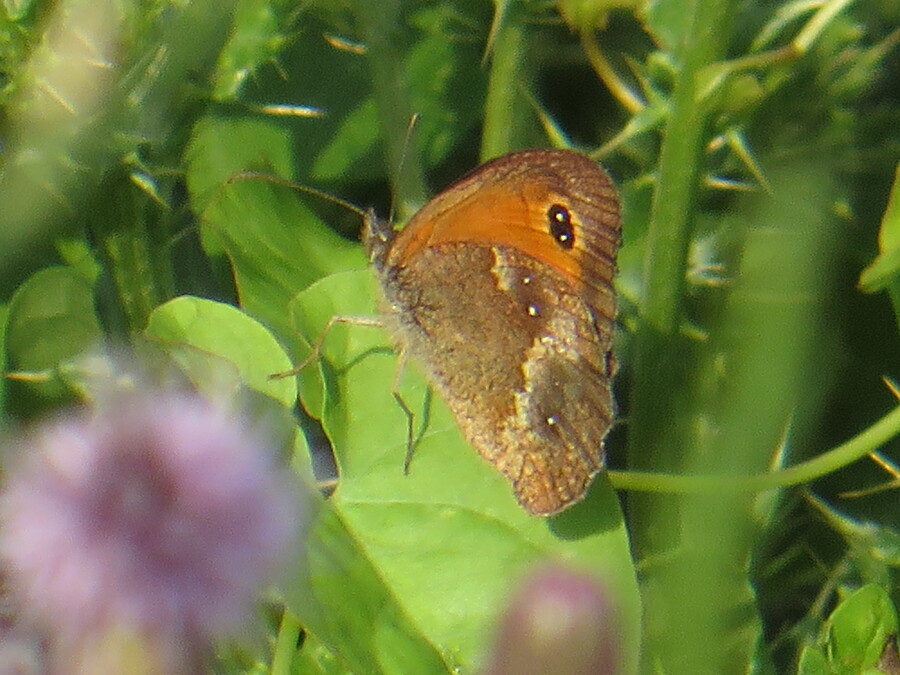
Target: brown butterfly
x,y
502,287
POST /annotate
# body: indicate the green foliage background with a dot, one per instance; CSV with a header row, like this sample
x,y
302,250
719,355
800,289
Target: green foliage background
x,y
755,145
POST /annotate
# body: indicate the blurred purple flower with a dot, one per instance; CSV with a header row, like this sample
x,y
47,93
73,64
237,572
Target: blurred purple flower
x,y
560,622
158,515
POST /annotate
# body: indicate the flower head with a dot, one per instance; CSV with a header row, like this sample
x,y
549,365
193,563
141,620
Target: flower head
x,y
159,513
559,621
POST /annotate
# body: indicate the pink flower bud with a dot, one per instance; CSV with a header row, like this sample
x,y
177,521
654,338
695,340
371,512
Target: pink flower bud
x,y
559,622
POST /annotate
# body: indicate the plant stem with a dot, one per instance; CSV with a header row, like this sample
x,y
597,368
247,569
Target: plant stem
x,y
286,644
654,439
660,404
865,442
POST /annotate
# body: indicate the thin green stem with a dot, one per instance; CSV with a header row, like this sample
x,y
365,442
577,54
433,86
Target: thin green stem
x,y
654,433
862,444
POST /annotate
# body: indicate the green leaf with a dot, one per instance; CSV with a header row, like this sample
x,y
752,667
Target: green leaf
x,y
223,351
881,272
668,21
884,271
586,15
259,34
341,599
51,319
859,628
813,662
314,658
194,330
354,140
221,147
77,255
448,540
276,246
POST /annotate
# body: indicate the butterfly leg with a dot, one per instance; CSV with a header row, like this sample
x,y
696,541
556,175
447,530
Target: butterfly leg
x,y
320,340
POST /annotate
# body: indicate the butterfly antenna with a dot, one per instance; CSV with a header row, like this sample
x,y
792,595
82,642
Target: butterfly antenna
x,y
413,120
283,182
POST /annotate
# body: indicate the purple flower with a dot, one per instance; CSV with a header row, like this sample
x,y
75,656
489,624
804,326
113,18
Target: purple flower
x,y
559,621
158,515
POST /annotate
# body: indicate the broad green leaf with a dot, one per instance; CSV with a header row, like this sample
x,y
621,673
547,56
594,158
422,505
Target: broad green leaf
x,y
340,597
448,540
309,312
276,246
194,329
51,319
355,139
223,351
221,147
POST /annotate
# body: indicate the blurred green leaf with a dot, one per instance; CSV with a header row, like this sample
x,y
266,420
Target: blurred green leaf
x,y
813,662
341,599
667,21
276,246
884,270
51,319
16,10
859,629
586,15
224,352
260,32
355,138
314,658
220,147
79,257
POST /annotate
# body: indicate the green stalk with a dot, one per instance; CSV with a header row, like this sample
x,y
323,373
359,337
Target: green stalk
x,y
867,441
132,243
660,401
655,440
285,644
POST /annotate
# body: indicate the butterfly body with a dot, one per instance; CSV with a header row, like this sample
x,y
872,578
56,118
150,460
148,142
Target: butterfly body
x,y
501,286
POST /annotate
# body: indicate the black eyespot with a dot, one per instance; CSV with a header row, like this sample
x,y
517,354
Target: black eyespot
x,y
560,221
